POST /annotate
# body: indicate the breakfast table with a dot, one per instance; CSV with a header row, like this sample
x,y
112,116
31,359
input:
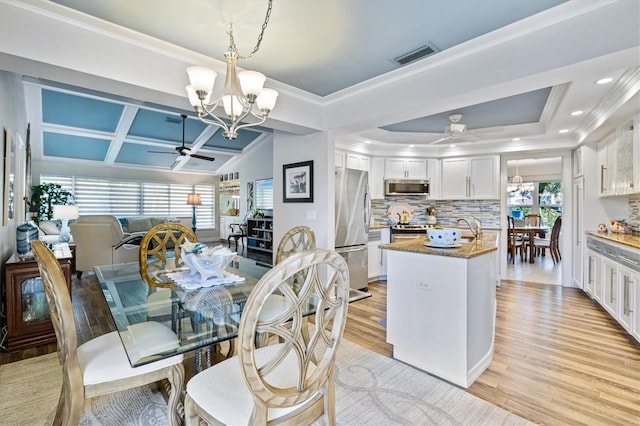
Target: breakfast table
x,y
198,315
531,232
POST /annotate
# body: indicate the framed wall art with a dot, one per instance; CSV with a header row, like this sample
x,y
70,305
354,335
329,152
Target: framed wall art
x,y
298,182
8,180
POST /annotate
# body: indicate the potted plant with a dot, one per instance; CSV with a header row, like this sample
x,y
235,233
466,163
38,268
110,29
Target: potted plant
x,y
44,197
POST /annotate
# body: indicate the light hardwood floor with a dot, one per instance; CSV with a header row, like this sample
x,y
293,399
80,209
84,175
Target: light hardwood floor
x,y
559,358
543,271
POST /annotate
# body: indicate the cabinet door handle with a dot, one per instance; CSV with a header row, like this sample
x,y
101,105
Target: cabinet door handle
x,y
602,169
590,280
612,273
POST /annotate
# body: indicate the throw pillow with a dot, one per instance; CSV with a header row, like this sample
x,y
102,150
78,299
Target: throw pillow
x,y
139,225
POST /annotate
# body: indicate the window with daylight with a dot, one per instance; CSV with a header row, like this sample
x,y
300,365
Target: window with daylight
x,y
131,198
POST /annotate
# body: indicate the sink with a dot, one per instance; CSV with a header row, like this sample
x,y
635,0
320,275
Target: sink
x,y
467,238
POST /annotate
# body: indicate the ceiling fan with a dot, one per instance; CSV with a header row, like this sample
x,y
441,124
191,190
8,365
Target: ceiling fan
x,y
456,130
183,150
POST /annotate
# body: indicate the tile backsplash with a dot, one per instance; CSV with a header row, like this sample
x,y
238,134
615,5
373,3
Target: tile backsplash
x,y
487,211
634,209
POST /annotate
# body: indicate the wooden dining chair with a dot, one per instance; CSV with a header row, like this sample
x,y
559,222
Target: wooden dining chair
x,y
100,366
552,243
280,382
532,219
515,243
297,239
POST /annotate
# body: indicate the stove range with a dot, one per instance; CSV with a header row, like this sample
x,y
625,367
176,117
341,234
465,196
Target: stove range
x,y
410,227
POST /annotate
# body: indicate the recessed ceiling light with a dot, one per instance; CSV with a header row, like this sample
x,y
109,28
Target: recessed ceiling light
x,y
452,145
604,80
367,141
411,146
515,139
563,131
574,113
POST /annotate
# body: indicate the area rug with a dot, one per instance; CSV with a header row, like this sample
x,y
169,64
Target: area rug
x,y
371,389
29,392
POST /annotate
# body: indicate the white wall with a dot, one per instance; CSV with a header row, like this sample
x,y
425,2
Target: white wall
x,y
319,215
13,118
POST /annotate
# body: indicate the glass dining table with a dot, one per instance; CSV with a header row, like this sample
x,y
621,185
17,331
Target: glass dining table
x,y
194,318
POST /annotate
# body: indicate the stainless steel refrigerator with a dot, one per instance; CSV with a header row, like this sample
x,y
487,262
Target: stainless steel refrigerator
x,y
353,215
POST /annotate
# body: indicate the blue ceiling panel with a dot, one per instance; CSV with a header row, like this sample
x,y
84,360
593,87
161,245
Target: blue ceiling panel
x,y
202,165
165,126
245,137
78,147
79,111
134,153
519,109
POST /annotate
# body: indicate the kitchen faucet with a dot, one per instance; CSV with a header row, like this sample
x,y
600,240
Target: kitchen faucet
x,y
477,232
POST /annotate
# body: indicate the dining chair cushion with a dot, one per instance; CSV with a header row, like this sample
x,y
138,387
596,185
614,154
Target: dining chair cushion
x,y
103,358
232,402
159,303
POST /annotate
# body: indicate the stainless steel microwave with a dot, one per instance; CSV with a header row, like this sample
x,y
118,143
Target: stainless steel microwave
x,y
406,187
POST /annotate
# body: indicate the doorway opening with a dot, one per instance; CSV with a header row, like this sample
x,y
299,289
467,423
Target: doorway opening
x,y
536,200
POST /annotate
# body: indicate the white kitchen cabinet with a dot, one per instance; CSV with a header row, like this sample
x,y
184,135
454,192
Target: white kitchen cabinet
x,y
593,275
470,178
578,232
627,280
376,178
434,172
627,152
610,286
377,257
399,168
635,306
358,161
578,162
606,165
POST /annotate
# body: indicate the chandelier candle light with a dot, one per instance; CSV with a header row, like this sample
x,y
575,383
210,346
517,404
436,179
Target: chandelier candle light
x,y
65,213
241,93
194,200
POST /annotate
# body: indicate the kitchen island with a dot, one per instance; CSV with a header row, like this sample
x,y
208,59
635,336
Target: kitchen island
x,y
441,306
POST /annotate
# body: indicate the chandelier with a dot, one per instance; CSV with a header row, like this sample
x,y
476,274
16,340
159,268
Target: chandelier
x,y
243,92
517,179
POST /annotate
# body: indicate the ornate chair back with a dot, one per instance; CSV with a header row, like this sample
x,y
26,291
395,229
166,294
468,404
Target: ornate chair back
x,y
296,239
532,220
161,242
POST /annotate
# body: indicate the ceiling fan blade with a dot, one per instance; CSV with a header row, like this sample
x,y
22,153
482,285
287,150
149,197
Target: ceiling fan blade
x,y
446,138
162,152
201,157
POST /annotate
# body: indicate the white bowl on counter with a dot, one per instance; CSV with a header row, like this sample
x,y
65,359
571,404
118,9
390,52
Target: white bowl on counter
x,y
444,236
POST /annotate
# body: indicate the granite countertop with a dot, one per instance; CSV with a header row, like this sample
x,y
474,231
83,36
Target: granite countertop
x,y
466,250
625,239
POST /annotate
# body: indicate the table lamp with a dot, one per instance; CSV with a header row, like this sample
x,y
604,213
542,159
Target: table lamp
x,y
64,213
194,200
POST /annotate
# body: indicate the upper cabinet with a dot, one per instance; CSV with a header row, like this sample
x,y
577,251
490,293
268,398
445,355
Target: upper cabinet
x,y
578,162
470,178
358,161
399,168
619,161
376,178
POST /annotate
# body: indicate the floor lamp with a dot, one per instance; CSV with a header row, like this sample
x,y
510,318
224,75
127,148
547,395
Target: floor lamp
x,y
194,200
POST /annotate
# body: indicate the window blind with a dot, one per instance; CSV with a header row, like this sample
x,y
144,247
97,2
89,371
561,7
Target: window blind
x,y
119,197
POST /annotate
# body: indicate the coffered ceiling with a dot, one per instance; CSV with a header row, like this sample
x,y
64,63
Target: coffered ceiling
x,y
107,86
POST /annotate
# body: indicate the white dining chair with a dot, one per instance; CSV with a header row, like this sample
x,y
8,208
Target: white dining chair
x,y
280,382
101,366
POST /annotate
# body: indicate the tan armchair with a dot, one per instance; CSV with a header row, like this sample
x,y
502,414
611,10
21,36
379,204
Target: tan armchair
x,y
100,240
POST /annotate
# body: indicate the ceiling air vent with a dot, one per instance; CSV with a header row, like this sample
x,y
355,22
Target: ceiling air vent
x,y
420,52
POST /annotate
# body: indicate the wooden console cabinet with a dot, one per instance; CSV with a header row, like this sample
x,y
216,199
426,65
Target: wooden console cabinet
x,y
28,320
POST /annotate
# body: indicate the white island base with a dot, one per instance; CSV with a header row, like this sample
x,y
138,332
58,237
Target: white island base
x,y
441,313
